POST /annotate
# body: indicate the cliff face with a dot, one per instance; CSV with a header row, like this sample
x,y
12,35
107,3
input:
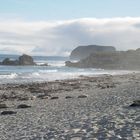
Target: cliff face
x,y
129,60
82,52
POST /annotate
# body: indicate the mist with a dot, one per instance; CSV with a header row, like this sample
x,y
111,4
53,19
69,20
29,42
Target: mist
x,y
61,37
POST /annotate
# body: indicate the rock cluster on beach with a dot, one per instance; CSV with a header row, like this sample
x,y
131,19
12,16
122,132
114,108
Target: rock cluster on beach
x,y
22,60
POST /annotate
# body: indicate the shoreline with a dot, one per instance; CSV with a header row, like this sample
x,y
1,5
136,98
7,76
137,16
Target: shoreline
x,y
77,109
51,74
120,72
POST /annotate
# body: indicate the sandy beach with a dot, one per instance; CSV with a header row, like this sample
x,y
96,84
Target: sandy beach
x,y
87,108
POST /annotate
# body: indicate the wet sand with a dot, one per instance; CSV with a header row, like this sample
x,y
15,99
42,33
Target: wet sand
x,y
88,108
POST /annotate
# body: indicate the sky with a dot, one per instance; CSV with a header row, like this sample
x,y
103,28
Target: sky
x,y
55,27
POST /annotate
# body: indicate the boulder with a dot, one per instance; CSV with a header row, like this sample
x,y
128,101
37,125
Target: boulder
x,y
26,60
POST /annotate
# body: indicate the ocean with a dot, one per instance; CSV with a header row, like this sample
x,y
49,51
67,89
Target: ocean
x,y
55,71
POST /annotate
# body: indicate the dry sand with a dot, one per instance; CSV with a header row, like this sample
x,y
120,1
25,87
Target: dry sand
x,y
59,112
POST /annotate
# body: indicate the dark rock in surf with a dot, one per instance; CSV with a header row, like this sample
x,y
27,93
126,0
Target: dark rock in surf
x,y
26,60
22,60
8,61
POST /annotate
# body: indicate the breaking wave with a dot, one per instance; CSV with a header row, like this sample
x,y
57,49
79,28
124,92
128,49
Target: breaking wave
x,y
8,76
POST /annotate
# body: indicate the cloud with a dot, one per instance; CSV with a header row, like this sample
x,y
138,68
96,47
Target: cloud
x,y
60,37
137,25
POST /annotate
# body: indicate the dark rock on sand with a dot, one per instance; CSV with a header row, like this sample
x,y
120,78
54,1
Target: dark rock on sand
x,y
8,112
82,96
135,103
23,106
3,106
68,97
54,98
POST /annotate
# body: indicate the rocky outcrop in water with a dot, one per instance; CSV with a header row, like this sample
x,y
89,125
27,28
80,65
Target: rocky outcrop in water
x,y
125,60
8,61
22,60
26,60
82,52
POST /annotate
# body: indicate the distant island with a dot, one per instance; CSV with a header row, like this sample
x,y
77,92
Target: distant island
x,y
82,52
101,58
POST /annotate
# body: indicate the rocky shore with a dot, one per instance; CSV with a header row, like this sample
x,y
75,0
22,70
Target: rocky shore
x,y
88,108
111,60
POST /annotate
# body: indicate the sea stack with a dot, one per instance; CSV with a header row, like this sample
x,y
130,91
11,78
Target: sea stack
x,y
22,60
26,60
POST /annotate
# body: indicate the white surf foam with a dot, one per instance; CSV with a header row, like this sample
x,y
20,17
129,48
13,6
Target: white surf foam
x,y
8,76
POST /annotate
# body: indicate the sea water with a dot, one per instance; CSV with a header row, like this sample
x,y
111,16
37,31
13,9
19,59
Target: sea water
x,y
55,71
